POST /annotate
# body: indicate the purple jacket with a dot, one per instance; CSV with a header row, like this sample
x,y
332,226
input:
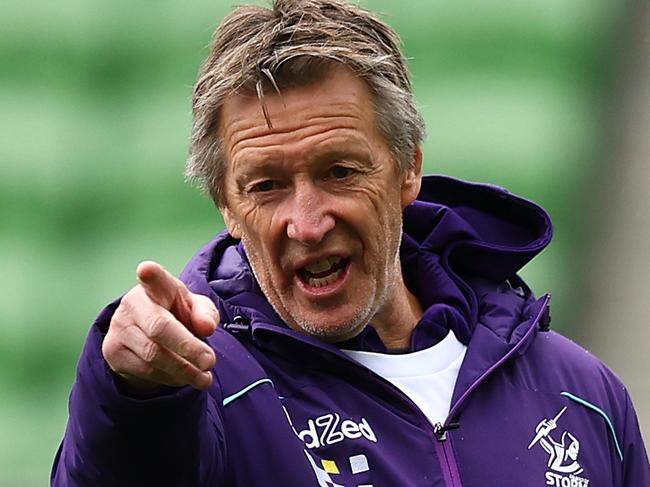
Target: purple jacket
x,y
529,407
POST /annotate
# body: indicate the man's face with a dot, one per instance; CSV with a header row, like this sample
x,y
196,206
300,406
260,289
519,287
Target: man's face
x,y
317,202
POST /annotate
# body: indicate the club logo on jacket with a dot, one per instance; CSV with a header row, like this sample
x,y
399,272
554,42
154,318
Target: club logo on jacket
x,y
359,463
564,468
328,429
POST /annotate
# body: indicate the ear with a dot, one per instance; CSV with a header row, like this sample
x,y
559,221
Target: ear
x,y
412,179
231,223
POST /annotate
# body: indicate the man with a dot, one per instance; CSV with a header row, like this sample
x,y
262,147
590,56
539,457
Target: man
x,y
365,337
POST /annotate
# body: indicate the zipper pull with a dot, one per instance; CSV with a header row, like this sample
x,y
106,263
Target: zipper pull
x,y
440,430
239,324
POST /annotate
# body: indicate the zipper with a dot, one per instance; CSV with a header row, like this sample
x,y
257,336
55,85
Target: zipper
x,y
443,447
446,455
456,408
441,431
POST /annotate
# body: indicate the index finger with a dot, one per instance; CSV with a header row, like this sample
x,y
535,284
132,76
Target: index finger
x,y
165,289
165,330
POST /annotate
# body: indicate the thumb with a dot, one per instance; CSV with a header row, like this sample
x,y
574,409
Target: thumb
x,y
205,316
165,290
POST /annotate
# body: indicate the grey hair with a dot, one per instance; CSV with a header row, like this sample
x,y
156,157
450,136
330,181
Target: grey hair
x,y
293,43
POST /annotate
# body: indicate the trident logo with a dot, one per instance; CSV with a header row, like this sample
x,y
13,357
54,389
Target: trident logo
x,y
563,454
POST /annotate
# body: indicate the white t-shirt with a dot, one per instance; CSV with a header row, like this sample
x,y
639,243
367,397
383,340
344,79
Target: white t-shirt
x,y
427,376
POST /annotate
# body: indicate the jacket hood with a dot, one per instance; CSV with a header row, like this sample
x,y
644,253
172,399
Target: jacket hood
x,y
462,245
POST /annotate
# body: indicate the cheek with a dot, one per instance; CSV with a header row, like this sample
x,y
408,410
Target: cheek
x,y
388,233
261,263
263,247
375,218
258,246
257,227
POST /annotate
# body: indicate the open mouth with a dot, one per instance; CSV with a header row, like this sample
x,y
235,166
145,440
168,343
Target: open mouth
x,y
323,272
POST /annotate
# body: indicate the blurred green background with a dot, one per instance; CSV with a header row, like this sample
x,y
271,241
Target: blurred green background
x,y
95,103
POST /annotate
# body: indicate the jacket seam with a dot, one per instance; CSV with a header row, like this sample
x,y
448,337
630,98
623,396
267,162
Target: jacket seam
x,y
602,413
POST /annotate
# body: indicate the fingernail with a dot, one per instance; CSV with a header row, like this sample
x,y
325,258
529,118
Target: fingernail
x,y
205,361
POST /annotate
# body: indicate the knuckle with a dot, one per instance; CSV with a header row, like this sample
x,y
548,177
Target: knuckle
x,y
150,352
109,349
112,345
127,300
208,306
135,297
157,326
200,298
115,359
207,302
120,317
186,348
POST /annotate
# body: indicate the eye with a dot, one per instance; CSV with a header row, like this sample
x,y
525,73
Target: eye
x,y
341,172
264,186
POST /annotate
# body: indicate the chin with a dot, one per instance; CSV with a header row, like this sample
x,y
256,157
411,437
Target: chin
x,y
335,330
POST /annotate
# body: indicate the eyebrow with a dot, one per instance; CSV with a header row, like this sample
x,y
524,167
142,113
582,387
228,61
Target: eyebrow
x,y
248,167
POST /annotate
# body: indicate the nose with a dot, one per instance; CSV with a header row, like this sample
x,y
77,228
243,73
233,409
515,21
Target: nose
x,y
309,217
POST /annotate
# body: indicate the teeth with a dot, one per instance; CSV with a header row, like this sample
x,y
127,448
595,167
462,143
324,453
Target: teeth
x,y
322,265
324,281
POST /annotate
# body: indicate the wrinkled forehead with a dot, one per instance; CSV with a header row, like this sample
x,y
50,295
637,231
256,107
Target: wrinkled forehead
x,y
338,92
294,74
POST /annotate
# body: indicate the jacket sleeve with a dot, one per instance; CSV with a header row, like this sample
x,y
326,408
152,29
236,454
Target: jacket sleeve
x,y
636,469
173,438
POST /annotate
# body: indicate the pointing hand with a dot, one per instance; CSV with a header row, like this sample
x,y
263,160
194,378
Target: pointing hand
x,y
154,338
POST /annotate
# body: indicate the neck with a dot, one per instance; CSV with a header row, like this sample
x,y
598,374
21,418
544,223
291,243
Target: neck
x,y
395,322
